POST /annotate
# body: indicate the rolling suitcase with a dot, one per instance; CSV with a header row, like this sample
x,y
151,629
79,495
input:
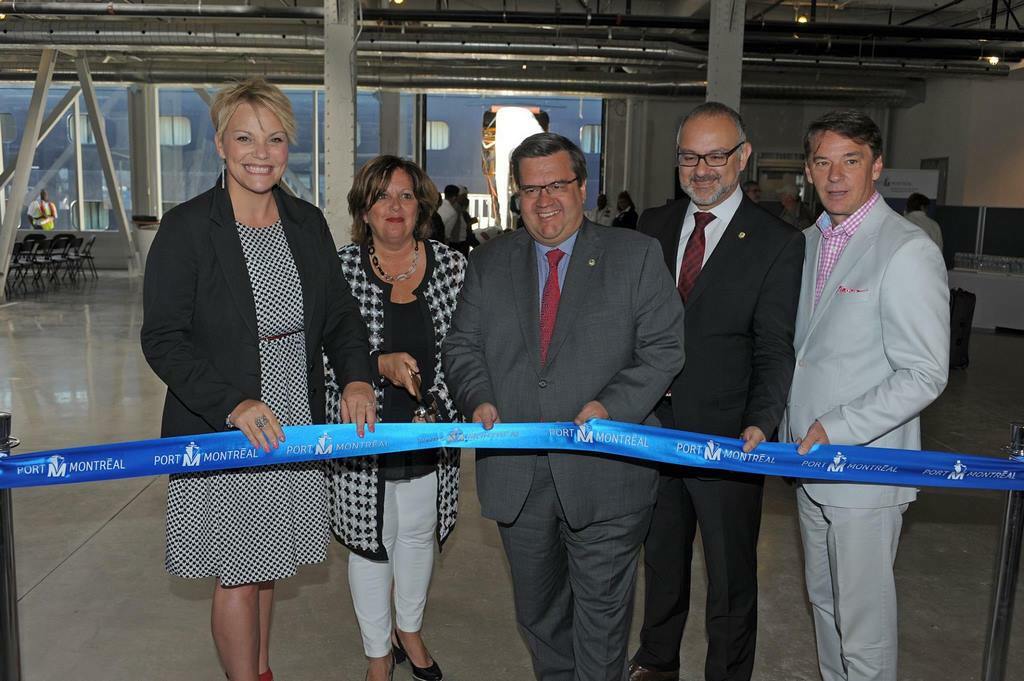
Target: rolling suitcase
x,y
961,314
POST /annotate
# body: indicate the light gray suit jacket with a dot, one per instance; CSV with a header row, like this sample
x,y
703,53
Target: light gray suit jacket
x,y
874,352
617,339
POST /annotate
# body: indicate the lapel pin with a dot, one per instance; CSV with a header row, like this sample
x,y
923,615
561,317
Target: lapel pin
x,y
592,262
742,235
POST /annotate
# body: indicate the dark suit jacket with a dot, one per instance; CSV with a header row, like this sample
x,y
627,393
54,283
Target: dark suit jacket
x,y
617,339
199,332
739,321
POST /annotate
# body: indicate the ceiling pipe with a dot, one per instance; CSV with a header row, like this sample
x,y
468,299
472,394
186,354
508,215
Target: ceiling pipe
x,y
510,82
371,16
163,10
298,41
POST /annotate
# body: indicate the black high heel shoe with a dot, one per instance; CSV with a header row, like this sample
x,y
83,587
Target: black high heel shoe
x,y
431,673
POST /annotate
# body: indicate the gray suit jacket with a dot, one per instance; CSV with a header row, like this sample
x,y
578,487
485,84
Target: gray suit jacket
x,y
874,352
617,339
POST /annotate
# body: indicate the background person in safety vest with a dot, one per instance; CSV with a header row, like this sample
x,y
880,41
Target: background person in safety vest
x,y
43,213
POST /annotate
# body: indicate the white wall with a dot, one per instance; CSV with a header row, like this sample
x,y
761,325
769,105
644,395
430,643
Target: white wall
x,y
977,124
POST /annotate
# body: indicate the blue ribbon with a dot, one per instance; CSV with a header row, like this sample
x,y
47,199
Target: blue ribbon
x,y
218,451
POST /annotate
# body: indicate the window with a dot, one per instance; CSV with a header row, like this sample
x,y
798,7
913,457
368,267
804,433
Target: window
x,y
590,139
97,216
437,135
85,130
175,131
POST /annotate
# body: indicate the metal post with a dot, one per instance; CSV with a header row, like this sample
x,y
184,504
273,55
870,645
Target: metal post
x,y
1007,569
99,132
10,653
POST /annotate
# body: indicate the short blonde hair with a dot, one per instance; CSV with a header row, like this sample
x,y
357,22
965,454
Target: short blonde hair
x,y
373,178
256,92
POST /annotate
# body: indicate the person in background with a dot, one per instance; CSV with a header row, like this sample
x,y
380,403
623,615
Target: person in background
x,y
752,190
451,214
793,210
436,221
565,320
917,205
627,216
43,213
242,290
467,220
602,214
387,510
872,351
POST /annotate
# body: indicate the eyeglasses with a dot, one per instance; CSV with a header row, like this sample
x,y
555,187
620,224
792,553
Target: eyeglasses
x,y
556,188
715,159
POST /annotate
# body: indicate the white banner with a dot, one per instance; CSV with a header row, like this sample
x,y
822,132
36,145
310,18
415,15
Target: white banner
x,y
898,183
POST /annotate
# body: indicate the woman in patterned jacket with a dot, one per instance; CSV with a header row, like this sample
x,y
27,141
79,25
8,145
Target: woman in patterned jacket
x,y
387,509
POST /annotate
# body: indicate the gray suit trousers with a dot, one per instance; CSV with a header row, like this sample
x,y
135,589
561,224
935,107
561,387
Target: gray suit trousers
x,y
848,559
573,586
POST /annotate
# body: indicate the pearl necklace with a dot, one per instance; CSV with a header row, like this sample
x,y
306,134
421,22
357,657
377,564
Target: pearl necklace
x,y
391,278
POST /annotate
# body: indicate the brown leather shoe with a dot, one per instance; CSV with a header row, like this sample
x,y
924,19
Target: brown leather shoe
x,y
638,672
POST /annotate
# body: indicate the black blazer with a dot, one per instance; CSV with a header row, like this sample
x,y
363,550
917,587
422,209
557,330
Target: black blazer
x,y
739,321
199,330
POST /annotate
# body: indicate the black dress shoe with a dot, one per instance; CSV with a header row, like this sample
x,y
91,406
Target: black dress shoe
x,y
638,672
431,673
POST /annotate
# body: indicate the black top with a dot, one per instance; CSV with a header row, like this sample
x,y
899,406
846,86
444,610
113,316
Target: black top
x,y
626,218
405,324
199,332
407,328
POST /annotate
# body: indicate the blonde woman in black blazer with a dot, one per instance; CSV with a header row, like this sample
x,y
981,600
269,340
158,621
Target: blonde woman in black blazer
x,y
243,292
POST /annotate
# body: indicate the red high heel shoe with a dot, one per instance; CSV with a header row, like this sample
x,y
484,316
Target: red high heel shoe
x,y
265,676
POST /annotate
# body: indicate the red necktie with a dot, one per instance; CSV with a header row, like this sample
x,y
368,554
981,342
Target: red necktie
x,y
693,255
549,302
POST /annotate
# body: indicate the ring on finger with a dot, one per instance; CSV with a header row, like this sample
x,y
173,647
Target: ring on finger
x,y
262,421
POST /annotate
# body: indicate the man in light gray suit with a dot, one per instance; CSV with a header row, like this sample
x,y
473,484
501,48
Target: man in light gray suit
x,y
872,351
565,321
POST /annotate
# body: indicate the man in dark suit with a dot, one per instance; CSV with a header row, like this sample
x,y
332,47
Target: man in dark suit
x,y
561,321
738,272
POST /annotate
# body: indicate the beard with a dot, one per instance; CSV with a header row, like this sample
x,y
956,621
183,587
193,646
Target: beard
x,y
710,195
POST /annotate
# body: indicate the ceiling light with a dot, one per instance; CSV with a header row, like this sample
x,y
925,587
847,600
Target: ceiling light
x,y
2,16
802,19
397,2
993,60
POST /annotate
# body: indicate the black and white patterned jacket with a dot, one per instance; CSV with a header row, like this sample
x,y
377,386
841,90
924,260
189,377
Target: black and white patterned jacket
x,y
356,489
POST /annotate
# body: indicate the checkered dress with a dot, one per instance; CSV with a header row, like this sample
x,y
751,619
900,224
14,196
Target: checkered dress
x,y
356,489
257,524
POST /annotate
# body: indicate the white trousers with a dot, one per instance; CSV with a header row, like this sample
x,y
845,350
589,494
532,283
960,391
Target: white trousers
x,y
848,562
410,519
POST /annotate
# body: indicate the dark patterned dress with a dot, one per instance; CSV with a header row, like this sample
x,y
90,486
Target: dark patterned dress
x,y
257,524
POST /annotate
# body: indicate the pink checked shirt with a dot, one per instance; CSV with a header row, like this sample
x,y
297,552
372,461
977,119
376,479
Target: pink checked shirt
x,y
834,240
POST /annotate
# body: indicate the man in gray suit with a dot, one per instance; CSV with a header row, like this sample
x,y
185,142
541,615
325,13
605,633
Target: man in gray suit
x,y
872,347
565,321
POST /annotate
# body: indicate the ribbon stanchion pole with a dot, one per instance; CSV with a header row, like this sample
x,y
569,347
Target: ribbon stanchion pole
x,y
1007,568
10,652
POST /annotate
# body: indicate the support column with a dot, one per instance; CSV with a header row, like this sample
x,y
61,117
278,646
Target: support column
x,y
419,130
725,52
340,113
23,166
390,123
144,123
99,132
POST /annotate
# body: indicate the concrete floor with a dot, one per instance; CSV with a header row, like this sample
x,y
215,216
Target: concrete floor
x,y
96,604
